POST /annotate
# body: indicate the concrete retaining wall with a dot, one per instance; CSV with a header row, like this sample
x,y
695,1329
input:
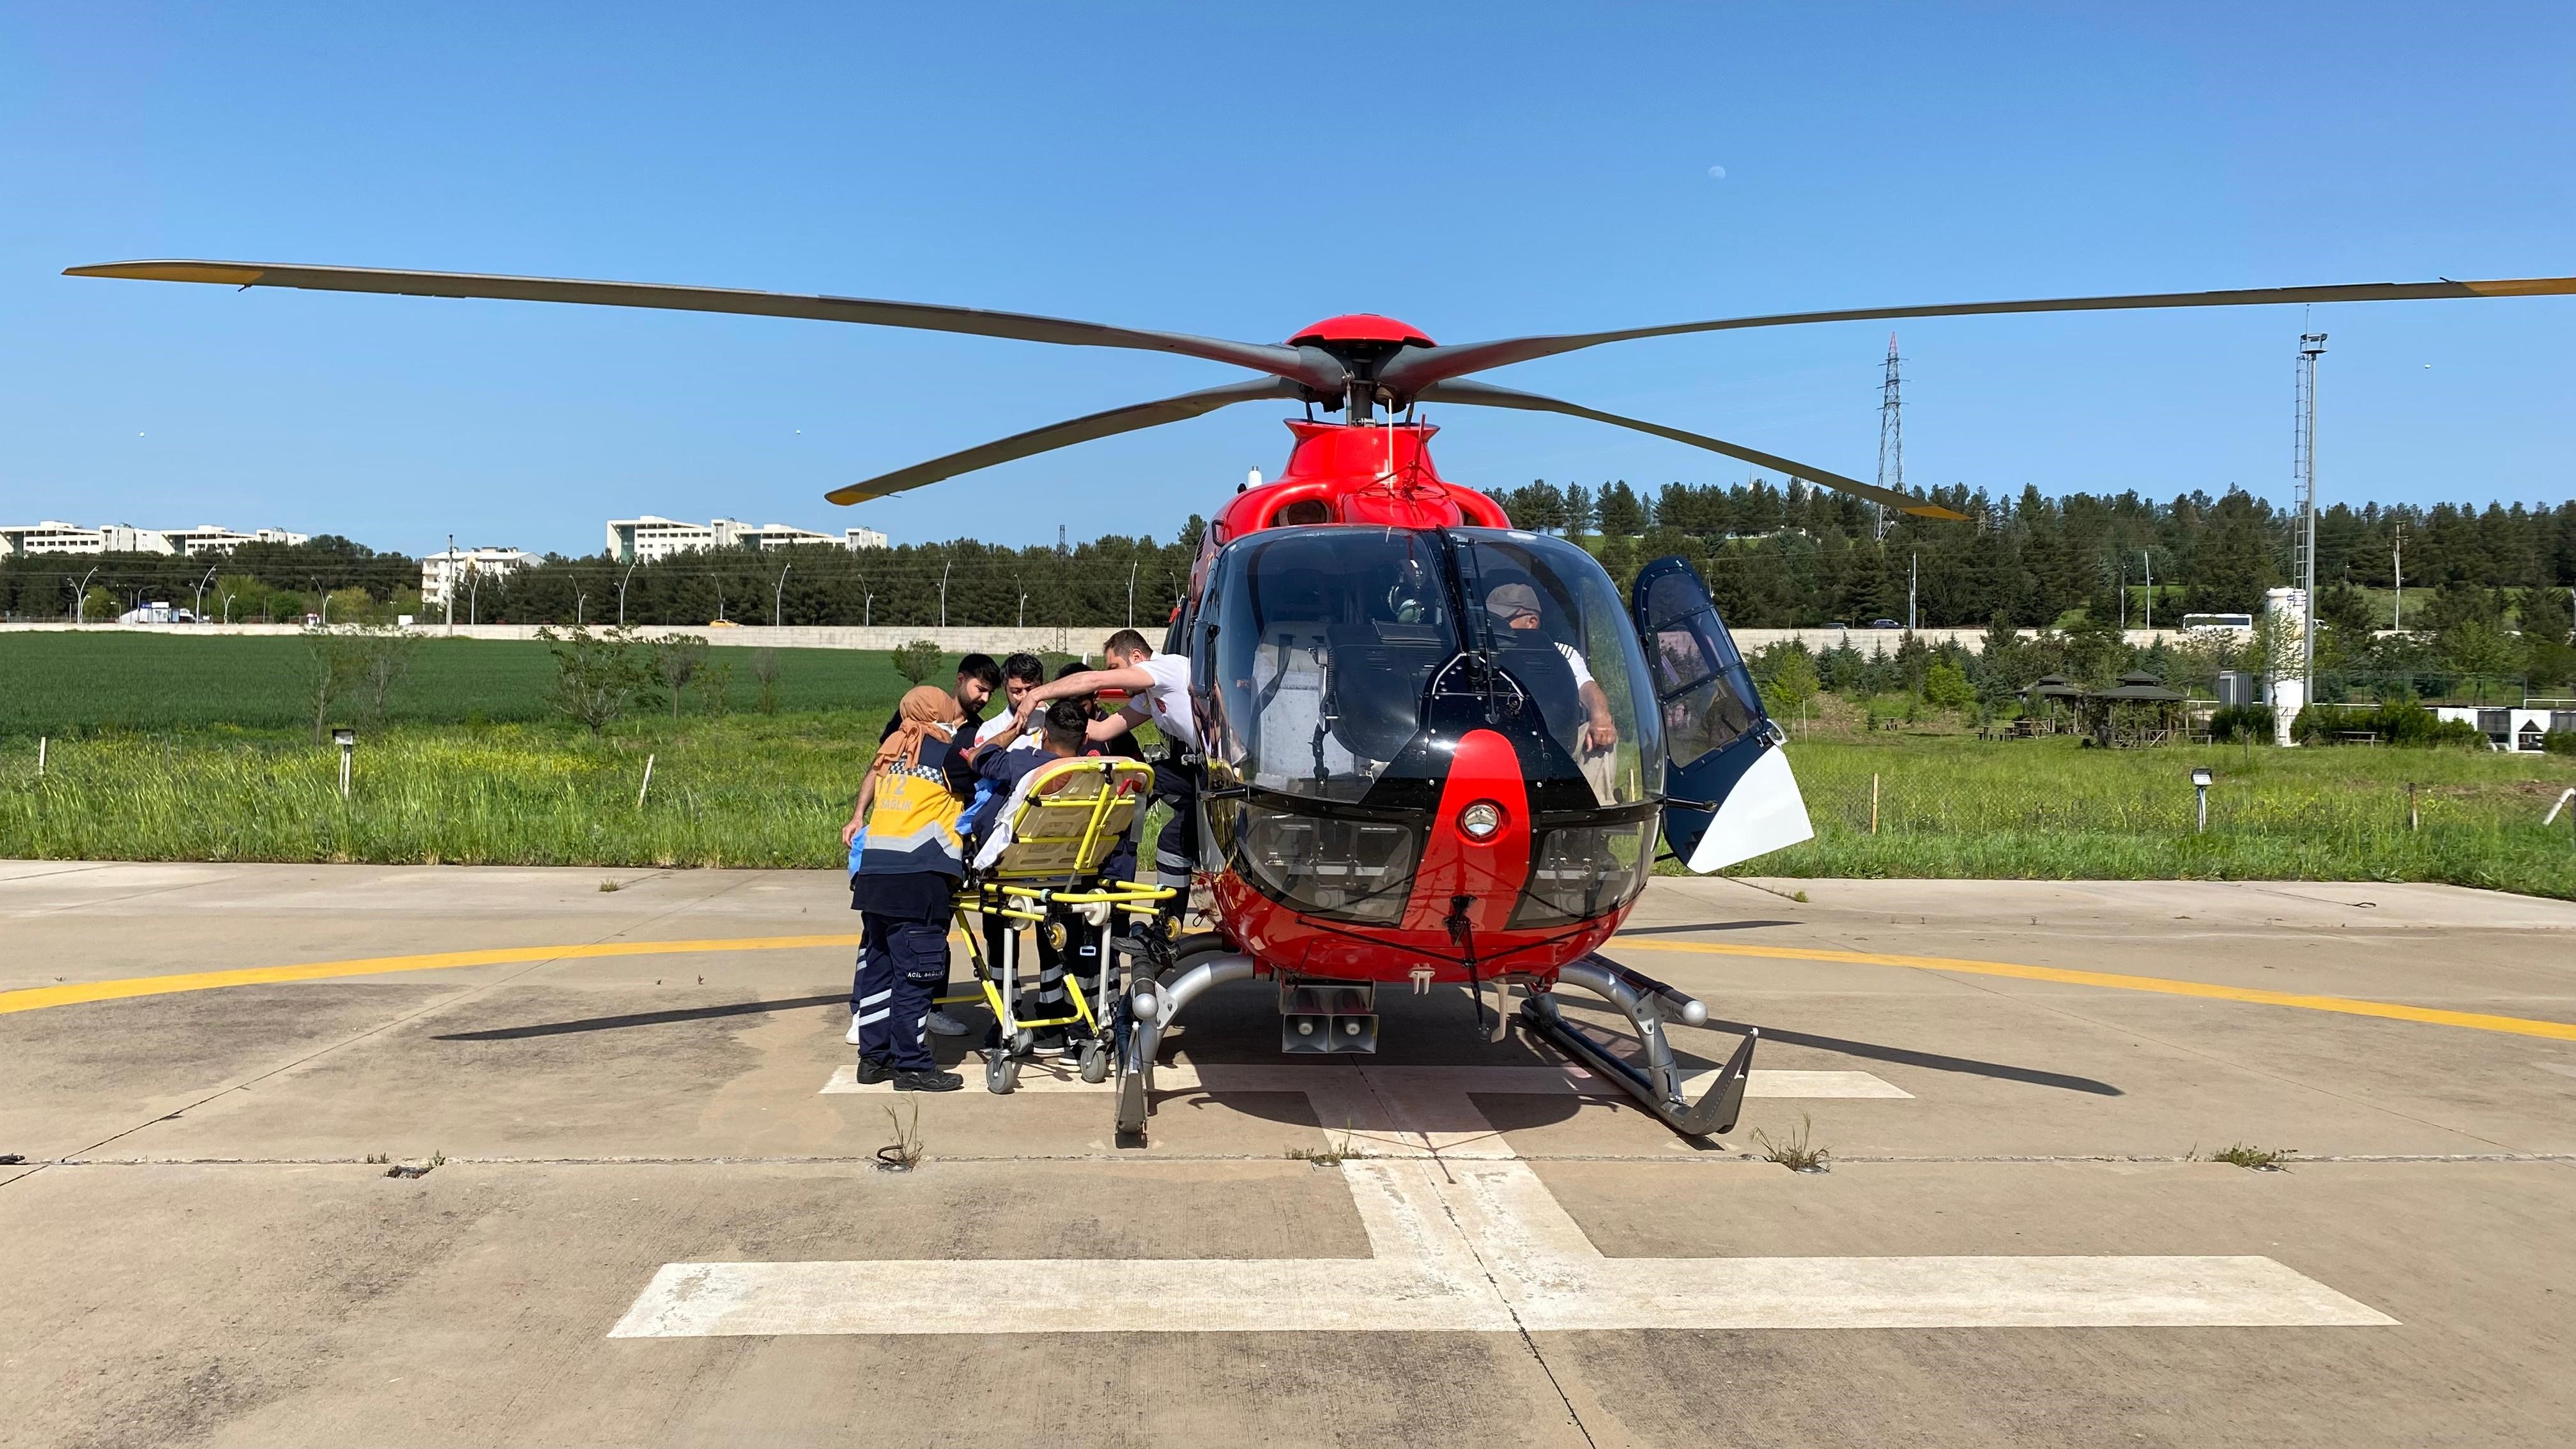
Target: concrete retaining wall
x,y
1070,639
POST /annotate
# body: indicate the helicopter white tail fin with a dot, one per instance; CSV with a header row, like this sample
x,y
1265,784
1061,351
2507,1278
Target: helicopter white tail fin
x,y
1763,812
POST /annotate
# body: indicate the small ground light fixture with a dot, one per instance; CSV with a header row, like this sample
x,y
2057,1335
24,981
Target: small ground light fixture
x,y
2201,778
347,740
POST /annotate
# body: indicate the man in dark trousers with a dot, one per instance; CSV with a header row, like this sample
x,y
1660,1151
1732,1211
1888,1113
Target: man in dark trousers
x,y
1060,738
1157,688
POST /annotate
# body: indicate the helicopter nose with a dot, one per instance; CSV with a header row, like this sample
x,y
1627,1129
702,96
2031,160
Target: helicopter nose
x,y
1478,845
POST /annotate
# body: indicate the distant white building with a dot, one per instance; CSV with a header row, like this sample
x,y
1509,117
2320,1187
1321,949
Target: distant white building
x,y
212,538
51,536
54,537
462,566
650,538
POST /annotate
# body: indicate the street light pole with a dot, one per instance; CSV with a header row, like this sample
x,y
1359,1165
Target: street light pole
x,y
621,591
447,583
80,595
1024,602
943,591
199,612
326,602
1131,594
778,598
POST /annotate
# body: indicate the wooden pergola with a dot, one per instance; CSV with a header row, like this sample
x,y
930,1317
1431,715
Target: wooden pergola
x,y
2135,712
2050,706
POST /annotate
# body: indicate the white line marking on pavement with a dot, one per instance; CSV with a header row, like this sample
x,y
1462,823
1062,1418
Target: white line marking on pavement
x,y
1464,1237
1475,1246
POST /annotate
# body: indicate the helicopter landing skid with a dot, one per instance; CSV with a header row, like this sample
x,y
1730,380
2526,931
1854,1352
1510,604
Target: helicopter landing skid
x,y
1656,1082
1150,1007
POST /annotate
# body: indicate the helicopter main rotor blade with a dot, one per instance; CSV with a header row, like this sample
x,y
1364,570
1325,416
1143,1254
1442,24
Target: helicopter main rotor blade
x,y
1065,434
1407,373
1309,366
1486,395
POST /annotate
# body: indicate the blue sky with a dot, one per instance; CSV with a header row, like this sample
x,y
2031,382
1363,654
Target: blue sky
x,y
1477,170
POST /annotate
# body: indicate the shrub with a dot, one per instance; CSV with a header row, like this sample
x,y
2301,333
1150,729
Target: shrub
x,y
597,675
2241,721
2396,722
1946,686
679,658
2559,742
917,660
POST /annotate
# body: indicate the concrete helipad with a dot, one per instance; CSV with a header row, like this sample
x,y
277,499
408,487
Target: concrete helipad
x,y
655,1216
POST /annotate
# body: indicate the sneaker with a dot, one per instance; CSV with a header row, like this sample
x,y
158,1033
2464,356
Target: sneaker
x,y
873,1070
1146,941
942,1024
930,1081
852,1035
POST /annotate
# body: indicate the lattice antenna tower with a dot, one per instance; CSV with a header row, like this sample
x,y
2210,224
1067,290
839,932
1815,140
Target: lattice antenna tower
x,y
2304,461
1891,439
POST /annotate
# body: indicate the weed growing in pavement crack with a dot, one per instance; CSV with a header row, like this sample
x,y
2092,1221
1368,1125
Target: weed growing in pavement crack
x,y
904,1153
2257,1159
1331,1154
436,1161
1795,1152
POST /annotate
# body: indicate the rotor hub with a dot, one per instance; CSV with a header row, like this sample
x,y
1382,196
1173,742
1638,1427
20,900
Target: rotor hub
x,y
1357,330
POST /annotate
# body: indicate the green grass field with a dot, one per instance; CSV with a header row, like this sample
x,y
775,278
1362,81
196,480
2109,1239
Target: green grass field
x,y
69,683
197,749
1960,807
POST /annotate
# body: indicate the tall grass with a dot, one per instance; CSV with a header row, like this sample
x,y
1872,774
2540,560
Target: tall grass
x,y
737,792
751,790
1951,806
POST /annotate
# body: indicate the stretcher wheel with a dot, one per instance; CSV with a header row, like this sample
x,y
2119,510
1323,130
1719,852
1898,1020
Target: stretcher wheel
x,y
1095,1062
1001,1074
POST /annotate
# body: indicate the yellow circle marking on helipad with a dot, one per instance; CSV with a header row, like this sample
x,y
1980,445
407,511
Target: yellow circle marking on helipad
x,y
2345,1005
72,993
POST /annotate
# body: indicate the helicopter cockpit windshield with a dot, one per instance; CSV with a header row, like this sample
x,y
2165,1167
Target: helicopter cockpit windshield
x,y
1345,664
1335,648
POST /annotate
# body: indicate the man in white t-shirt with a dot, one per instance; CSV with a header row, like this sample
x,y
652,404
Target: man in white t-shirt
x,y
1517,606
1157,687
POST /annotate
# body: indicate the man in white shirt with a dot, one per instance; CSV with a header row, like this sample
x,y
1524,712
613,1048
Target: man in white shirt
x,y
1157,687
1517,606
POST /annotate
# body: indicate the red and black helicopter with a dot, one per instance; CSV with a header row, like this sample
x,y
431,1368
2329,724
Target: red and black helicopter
x,y
1439,749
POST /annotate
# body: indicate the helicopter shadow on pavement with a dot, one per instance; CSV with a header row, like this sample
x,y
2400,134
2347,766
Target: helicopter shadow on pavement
x,y
1240,1028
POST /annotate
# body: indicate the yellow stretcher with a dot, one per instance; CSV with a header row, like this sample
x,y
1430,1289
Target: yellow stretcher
x,y
1063,824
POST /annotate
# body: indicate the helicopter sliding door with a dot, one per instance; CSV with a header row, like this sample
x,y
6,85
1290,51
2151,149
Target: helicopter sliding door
x,y
1722,752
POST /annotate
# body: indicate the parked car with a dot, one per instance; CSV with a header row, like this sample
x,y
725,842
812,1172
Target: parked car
x,y
1885,624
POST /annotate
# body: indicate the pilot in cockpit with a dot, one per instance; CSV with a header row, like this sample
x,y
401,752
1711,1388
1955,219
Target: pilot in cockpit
x,y
1516,605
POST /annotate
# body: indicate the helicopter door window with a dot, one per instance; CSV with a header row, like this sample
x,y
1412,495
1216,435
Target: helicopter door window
x,y
1707,696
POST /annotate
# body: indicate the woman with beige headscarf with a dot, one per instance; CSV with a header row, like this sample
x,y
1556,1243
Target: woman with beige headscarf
x,y
907,861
